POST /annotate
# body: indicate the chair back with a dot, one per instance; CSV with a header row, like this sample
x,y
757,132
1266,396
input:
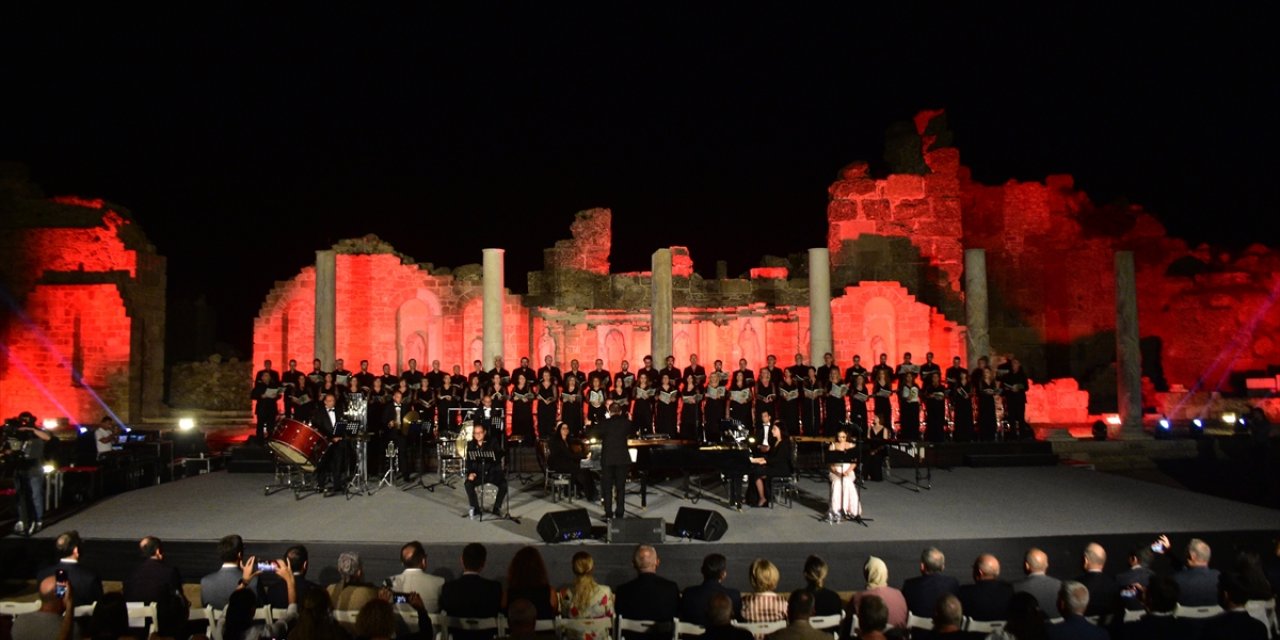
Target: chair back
x,y
579,627
1133,615
143,614
9,608
688,629
1196,612
761,629
454,623
1265,612
984,626
919,622
826,622
641,626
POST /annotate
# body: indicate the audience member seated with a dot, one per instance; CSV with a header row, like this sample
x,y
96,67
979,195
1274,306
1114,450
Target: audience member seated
x,y
351,591
1037,583
1197,583
922,592
1272,566
873,619
86,584
522,622
52,620
948,622
1026,620
825,601
1158,623
648,596
585,598
877,576
110,619
243,603
799,610
1234,623
763,604
720,621
988,597
1248,570
272,586
315,619
1073,600
415,579
527,579
472,595
1134,580
217,587
695,599
1104,593
155,581
376,620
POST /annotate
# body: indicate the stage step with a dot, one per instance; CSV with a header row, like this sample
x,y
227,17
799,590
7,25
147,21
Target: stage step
x,y
1011,459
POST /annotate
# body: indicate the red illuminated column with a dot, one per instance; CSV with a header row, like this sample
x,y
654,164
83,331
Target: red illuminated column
x,y
493,301
819,304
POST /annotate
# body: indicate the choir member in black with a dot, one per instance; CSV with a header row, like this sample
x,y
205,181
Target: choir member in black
x,y
548,403
828,365
457,387
497,394
575,372
883,365
935,408
272,375
647,369
856,370
379,396
562,459
749,376
691,408
799,370
597,399
789,400
436,378
621,395
529,374
333,467
976,374
875,450
548,367
266,396
413,376
960,399
1014,387
952,377
986,390
500,369
699,372
523,397
327,386
909,407
905,367
771,365
834,408
389,380
478,373
397,420
295,383
427,404
766,393
773,461
858,397
571,404
364,377
410,394
472,395
642,405
740,399
484,465
882,396
928,368
601,374
340,373
666,406
713,405
315,379
623,381
811,394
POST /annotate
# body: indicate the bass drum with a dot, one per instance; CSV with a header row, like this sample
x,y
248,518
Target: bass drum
x,y
297,443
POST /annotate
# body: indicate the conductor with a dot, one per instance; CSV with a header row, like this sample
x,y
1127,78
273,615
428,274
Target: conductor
x,y
615,460
484,464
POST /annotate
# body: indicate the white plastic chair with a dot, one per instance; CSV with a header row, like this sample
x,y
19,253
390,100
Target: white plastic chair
x,y
1133,615
10,608
761,629
143,614
984,626
451,623
1196,612
1265,612
599,627
688,629
640,626
919,622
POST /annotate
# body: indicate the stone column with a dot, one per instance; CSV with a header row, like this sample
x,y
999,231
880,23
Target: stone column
x,y
977,332
1128,353
660,313
326,306
494,298
820,342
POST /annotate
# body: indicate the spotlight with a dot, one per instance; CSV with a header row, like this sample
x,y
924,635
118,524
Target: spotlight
x,y
1113,419
186,424
1198,423
1163,430
1164,423
83,430
48,468
1229,418
50,424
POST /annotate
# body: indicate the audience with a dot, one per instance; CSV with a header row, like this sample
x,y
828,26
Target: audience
x,y
315,619
239,623
1133,580
217,587
1159,623
988,597
110,619
585,598
695,599
1248,570
415,579
1197,583
1026,620
877,576
52,620
350,592
1037,583
763,604
648,596
522,622
471,595
825,601
1104,593
527,579
376,620
155,581
948,622
272,586
799,610
720,621
873,619
85,583
1073,600
1234,623
922,592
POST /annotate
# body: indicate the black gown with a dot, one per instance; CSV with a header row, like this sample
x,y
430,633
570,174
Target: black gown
x,y
265,409
691,413
858,408
909,411
810,407
935,413
789,408
548,403
597,402
664,413
882,405
642,410
561,459
713,412
522,413
874,454
741,411
571,410
766,400
961,413
834,412
986,393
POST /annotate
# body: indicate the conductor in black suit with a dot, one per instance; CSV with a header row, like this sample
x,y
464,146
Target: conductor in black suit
x,y
332,468
86,586
615,460
471,595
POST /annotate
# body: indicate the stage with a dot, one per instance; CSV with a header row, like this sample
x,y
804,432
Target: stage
x,y
967,511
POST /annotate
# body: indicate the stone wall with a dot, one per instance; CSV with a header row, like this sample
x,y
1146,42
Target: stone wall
x,y
212,385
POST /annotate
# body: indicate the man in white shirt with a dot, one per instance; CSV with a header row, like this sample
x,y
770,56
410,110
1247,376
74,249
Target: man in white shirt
x,y
415,579
105,436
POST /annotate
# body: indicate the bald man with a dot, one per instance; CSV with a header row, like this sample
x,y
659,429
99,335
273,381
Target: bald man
x,y
648,596
988,597
1104,591
1037,583
1197,583
52,620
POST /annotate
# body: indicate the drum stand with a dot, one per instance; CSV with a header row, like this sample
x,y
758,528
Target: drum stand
x,y
359,484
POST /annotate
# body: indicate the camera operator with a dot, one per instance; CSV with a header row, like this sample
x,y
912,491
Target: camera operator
x,y
26,440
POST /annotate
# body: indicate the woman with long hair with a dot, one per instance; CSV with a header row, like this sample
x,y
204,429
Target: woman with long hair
x,y
844,490
527,579
825,601
585,598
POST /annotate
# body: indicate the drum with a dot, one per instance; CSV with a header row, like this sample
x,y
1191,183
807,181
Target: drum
x,y
464,436
297,443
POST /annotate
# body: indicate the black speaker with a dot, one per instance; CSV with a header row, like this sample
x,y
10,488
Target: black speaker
x,y
699,524
636,531
559,526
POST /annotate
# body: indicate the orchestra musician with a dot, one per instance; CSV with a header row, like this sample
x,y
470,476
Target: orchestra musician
x,y
811,393
571,402
713,406
334,466
666,405
774,461
396,420
562,459
548,403
642,404
597,396
834,409
789,392
691,407
935,407
961,403
484,465
986,391
265,395
523,397
740,405
843,475
909,407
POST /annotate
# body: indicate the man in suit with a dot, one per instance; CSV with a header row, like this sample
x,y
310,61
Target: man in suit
x,y
922,592
1104,593
1159,623
720,621
415,579
1138,575
648,596
615,460
484,465
155,581
696,599
799,610
1037,583
85,584
948,618
272,589
332,469
216,588
988,597
1234,623
1073,599
1197,583
471,595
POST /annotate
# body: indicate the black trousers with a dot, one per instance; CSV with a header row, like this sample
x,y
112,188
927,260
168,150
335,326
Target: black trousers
x,y
613,477
335,465
492,476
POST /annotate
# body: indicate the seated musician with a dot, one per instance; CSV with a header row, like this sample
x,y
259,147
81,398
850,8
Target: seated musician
x,y
332,469
774,462
562,459
844,491
484,465
398,418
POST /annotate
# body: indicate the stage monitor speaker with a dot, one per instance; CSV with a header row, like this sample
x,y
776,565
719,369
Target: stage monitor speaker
x,y
636,530
699,524
559,526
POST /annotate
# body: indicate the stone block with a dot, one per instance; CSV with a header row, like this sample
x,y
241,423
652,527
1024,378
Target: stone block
x,y
901,186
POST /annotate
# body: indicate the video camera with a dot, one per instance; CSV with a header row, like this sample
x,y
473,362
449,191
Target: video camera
x,y
12,428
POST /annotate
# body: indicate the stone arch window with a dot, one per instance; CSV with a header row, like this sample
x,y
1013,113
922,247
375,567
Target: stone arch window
x,y
879,323
749,347
615,350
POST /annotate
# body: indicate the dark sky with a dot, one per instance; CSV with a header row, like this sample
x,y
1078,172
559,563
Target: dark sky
x,y
243,141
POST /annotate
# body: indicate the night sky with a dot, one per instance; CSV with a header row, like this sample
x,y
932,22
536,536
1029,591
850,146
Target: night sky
x,y
242,142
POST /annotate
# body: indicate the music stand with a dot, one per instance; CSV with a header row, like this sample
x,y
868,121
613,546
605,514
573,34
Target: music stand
x,y
487,458
850,456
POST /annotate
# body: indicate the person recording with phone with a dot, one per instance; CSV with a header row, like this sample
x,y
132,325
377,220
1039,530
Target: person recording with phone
x,y
88,586
239,622
55,618
217,587
25,440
